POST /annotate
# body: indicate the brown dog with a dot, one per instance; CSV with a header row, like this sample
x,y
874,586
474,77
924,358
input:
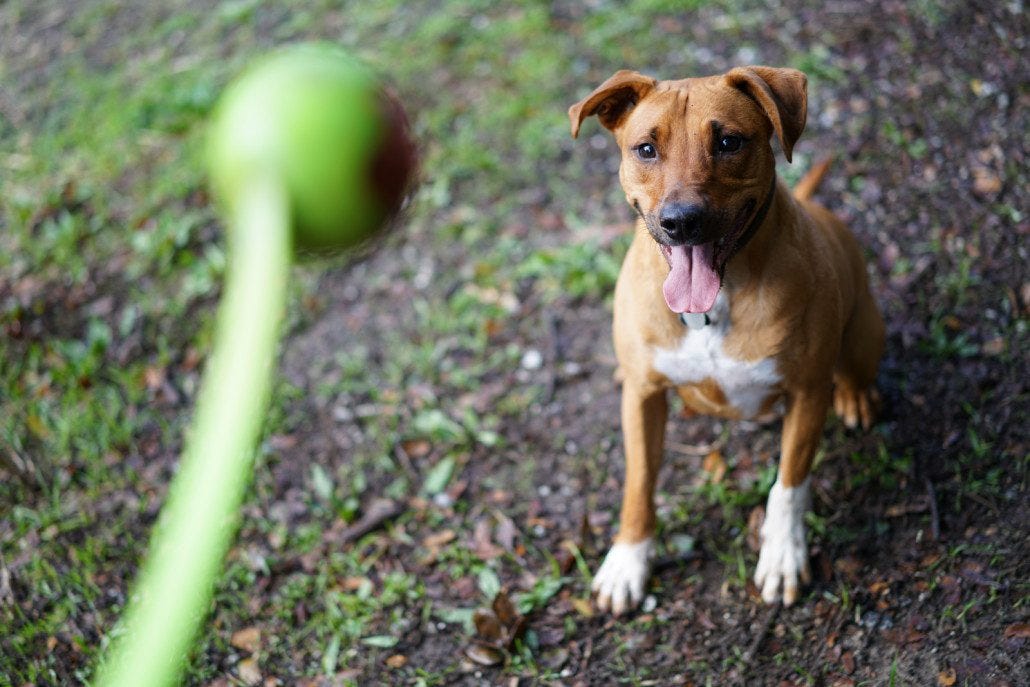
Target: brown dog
x,y
735,292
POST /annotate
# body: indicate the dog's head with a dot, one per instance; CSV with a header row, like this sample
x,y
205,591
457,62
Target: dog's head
x,y
697,163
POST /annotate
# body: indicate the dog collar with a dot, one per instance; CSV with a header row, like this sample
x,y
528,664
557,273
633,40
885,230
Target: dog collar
x,y
741,239
757,220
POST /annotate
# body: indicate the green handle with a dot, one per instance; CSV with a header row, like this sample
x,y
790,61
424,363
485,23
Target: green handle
x,y
200,517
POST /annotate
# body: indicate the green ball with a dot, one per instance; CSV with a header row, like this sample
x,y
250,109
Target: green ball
x,y
322,124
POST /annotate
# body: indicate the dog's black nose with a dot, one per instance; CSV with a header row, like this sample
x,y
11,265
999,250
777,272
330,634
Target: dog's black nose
x,y
682,222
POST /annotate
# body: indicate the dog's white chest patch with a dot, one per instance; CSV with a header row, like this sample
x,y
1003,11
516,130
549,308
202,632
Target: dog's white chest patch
x,y
700,356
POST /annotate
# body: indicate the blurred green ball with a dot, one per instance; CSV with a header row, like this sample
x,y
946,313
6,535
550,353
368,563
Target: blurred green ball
x,y
322,124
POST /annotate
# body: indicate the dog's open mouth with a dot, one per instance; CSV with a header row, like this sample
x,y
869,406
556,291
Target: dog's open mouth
x,y
693,282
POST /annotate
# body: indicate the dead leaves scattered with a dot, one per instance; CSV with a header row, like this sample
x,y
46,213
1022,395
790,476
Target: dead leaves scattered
x,y
249,671
1018,630
484,654
494,534
434,543
497,630
248,639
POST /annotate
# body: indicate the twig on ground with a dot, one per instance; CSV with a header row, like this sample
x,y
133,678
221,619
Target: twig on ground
x,y
935,520
378,513
405,460
699,449
983,502
557,354
756,643
6,592
587,653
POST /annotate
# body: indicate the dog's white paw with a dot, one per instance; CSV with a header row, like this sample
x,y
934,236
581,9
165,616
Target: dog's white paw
x,y
783,559
620,581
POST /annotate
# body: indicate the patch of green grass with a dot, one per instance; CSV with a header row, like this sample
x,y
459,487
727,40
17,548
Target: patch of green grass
x,y
819,65
577,270
915,146
880,468
944,342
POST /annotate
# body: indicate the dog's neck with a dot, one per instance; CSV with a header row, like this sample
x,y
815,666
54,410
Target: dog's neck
x,y
758,239
757,218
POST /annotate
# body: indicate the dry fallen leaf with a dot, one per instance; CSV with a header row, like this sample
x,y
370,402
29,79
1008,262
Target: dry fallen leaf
x,y
435,541
1021,630
715,466
755,519
484,654
849,567
249,672
488,627
516,632
496,629
481,542
505,532
704,620
583,607
566,561
947,677
504,609
354,583
248,639
416,448
986,183
879,587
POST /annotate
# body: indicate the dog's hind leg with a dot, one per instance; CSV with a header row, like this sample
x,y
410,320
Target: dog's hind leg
x,y
855,398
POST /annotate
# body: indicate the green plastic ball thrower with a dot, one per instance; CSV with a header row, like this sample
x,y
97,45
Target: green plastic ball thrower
x,y
307,153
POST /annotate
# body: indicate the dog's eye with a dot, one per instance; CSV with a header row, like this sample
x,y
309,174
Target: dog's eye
x,y
646,151
729,144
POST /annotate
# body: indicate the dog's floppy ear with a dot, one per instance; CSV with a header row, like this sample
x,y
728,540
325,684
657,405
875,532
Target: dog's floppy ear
x,y
783,96
612,100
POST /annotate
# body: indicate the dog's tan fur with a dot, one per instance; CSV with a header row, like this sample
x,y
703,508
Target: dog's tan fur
x,y
797,290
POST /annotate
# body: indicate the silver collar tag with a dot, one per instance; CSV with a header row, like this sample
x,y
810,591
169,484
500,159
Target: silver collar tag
x,y
695,320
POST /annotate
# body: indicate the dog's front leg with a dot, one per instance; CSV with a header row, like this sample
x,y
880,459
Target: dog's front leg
x,y
620,581
783,559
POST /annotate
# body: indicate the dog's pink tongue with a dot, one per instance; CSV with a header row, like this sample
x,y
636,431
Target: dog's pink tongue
x,y
693,283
